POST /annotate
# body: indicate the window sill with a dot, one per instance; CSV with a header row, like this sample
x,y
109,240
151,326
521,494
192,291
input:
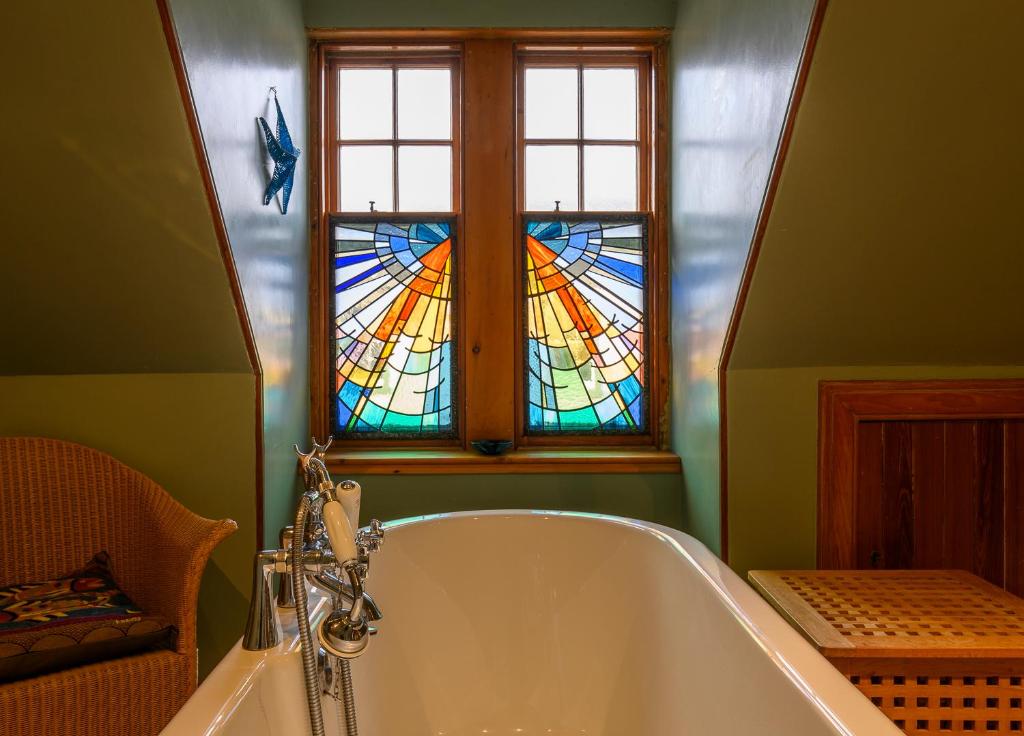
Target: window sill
x,y
526,460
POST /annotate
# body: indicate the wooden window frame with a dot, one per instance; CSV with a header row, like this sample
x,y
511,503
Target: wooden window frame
x,y
487,196
328,209
643,58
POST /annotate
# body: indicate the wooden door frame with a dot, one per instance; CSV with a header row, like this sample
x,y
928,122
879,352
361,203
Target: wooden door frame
x,y
842,405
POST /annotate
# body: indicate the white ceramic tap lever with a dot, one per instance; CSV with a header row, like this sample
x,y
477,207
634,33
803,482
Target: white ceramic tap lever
x,y
340,532
349,493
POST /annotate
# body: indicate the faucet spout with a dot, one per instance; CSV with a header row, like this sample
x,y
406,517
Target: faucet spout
x,y
343,590
345,633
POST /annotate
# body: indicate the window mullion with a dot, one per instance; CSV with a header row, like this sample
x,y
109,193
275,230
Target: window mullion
x,y
490,286
579,134
394,139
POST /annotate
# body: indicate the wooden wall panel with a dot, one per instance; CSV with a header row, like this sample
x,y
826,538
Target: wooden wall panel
x,y
934,494
897,496
988,501
868,508
961,484
1013,469
923,474
927,443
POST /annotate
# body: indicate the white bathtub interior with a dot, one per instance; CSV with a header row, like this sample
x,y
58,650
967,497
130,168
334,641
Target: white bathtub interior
x,y
551,624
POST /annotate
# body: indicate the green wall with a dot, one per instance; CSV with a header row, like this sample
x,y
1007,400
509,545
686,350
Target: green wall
x,y
733,67
234,52
488,13
894,249
190,432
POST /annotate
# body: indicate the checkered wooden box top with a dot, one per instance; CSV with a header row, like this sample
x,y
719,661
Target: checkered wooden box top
x,y
890,613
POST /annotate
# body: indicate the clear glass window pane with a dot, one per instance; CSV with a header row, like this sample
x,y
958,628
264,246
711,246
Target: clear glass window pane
x,y
364,104
425,178
551,105
425,103
609,178
609,104
552,173
364,174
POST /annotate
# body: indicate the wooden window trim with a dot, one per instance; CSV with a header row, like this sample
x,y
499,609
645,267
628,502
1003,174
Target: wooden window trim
x,y
329,60
489,332
651,200
842,405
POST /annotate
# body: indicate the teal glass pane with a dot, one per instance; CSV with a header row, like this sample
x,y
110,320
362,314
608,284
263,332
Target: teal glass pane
x,y
585,319
392,336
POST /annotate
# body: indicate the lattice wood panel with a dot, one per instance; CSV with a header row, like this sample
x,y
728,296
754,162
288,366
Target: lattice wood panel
x,y
953,703
931,604
937,651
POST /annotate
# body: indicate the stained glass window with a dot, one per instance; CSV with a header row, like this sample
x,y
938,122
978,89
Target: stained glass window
x,y
585,284
394,368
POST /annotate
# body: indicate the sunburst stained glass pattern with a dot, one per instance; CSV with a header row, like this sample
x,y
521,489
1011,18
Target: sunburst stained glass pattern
x,y
585,310
393,329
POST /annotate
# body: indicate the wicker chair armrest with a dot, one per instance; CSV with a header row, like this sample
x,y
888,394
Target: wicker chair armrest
x,y
180,543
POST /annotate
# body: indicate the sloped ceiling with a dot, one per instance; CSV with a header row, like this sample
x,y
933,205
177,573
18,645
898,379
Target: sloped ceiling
x,y
110,261
896,233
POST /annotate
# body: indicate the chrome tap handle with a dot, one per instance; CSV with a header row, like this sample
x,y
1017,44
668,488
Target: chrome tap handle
x,y
371,538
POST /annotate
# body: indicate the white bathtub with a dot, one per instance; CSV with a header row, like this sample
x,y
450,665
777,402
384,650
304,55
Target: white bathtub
x,y
530,623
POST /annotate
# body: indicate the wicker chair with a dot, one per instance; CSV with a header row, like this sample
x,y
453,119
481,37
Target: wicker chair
x,y
61,503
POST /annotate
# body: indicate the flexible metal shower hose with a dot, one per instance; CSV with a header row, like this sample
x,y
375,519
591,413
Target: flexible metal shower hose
x,y
316,716
309,671
348,695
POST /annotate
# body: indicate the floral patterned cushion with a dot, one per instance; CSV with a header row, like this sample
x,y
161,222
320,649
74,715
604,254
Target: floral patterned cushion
x,y
82,617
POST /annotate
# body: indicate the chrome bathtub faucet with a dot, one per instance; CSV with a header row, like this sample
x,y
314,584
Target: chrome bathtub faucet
x,y
345,631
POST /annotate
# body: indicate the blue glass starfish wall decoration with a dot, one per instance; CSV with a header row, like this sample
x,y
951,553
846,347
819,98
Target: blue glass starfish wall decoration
x,y
285,154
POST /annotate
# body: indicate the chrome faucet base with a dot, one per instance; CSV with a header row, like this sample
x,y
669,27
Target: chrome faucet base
x,y
345,632
285,594
261,630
